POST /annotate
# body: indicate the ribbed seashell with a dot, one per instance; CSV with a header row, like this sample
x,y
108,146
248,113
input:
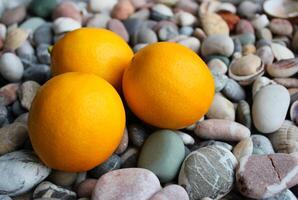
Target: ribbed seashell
x,y
243,115
281,8
219,129
285,139
221,108
243,148
287,82
246,69
281,52
260,83
294,112
283,68
15,38
233,91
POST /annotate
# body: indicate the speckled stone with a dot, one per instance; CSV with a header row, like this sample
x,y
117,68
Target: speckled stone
x,y
47,189
208,172
137,134
162,153
28,171
261,145
140,183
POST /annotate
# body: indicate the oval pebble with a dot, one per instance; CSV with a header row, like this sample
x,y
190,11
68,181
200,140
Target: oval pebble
x,y
140,184
162,153
261,145
11,67
113,163
221,108
61,178
27,169
117,26
86,187
171,192
65,24
218,44
270,107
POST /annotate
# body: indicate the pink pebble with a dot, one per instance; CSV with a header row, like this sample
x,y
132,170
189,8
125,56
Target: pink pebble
x,y
117,26
8,93
123,9
171,192
67,9
86,188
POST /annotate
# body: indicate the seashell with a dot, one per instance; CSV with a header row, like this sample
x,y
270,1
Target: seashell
x,y
243,148
285,139
287,82
233,91
259,83
281,8
15,38
294,112
281,52
266,54
243,115
283,68
217,66
219,129
213,24
246,69
221,108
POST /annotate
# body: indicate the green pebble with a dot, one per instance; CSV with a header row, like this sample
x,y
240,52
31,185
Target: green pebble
x,y
43,8
163,154
247,38
222,58
32,23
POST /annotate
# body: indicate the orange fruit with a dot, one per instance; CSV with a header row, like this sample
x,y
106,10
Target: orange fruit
x,y
92,50
167,85
76,121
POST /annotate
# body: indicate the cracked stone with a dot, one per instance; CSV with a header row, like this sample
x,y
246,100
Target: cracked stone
x,y
264,176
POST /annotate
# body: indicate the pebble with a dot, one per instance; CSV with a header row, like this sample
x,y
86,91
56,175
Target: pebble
x,y
285,139
186,30
264,176
37,72
218,44
208,172
141,183
122,10
65,24
123,144
220,129
213,24
185,18
137,134
8,93
243,114
281,52
246,38
217,65
162,153
117,26
3,115
67,9
11,67
64,179
103,6
244,26
259,83
42,8
233,91
266,55
186,138
191,42
15,38
283,68
171,192
27,93
214,143
248,9
161,12
261,145
230,18
86,188
43,34
265,34
270,107
260,21
145,36
130,158
167,32
12,137
221,108
15,15
5,197
20,171
113,163
3,31
243,148
281,27
26,53
31,24
43,54
17,109
48,190
220,81
98,20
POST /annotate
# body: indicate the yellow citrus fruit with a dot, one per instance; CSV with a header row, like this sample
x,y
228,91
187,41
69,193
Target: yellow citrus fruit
x,y
92,50
76,121
167,85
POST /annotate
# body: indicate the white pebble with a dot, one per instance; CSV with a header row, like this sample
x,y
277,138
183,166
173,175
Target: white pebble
x,y
187,139
260,22
192,43
3,31
185,18
102,5
65,24
11,67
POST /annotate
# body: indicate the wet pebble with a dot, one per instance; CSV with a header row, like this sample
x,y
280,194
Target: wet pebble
x,y
162,153
137,134
27,169
141,183
130,158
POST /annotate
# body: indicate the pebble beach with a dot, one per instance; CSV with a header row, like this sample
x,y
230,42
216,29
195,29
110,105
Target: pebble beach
x,y
245,146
